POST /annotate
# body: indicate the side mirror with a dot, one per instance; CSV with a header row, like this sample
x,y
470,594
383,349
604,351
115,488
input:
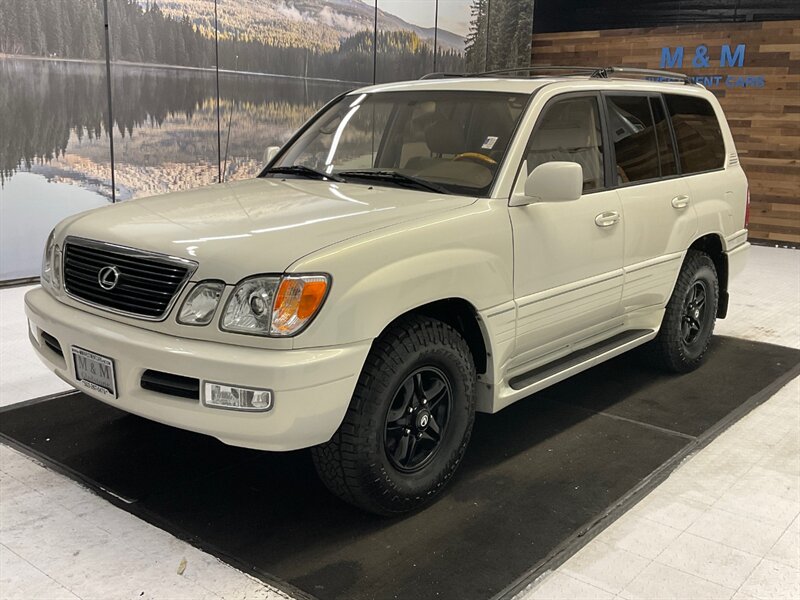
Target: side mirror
x,y
556,181
270,153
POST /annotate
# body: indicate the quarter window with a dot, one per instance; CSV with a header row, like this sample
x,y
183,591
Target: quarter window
x,y
570,131
697,132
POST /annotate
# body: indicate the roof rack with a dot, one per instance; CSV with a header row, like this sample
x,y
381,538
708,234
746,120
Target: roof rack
x,y
608,72
593,73
512,70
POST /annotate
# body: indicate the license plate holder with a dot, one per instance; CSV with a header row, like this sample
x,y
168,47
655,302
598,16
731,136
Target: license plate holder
x,y
95,371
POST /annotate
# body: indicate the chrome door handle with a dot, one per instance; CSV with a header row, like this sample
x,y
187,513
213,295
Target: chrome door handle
x,y
680,201
607,219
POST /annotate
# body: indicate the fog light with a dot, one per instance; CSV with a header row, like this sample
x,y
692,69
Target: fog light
x,y
219,395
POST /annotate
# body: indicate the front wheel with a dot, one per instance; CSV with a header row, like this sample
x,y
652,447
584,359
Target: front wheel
x,y
689,318
408,423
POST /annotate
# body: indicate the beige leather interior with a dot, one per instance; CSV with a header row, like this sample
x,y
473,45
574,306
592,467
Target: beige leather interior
x,y
570,132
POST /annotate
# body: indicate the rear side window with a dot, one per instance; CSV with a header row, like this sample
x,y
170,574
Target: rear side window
x,y
697,132
634,136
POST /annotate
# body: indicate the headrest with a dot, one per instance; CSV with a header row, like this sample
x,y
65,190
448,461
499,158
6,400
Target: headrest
x,y
561,139
567,125
445,137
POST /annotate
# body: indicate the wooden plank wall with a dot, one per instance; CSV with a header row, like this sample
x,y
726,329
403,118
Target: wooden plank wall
x,y
765,122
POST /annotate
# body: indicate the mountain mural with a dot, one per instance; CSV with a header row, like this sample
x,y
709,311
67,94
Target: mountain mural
x,y
279,61
315,24
156,33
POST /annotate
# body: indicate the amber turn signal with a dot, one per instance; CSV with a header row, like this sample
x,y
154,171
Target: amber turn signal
x,y
298,299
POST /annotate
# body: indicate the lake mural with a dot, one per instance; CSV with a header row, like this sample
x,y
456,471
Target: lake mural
x,y
279,62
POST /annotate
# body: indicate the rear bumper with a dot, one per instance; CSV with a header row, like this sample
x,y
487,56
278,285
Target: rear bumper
x,y
737,259
312,387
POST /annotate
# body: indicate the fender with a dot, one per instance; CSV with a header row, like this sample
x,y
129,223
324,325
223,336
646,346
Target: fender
x,y
465,253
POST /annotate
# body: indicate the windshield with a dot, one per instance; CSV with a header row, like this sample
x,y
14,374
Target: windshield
x,y
449,141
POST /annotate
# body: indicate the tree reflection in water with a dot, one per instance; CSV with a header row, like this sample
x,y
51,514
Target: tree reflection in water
x,y
55,113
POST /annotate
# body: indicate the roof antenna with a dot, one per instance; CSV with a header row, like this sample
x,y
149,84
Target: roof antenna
x,y
228,136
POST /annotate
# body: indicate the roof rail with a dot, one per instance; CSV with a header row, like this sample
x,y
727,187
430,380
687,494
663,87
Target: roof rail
x,y
442,75
592,72
608,72
512,70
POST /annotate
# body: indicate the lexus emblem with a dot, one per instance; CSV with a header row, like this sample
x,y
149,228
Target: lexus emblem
x,y
108,277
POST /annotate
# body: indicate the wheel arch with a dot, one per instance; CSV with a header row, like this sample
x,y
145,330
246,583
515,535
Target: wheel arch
x,y
462,316
712,245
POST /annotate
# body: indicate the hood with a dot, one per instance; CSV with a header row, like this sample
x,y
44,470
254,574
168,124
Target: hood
x,y
234,230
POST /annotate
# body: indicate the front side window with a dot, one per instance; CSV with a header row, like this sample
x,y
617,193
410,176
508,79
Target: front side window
x,y
697,132
570,131
449,141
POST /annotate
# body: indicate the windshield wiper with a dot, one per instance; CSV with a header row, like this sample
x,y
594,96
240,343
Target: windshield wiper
x,y
305,171
398,178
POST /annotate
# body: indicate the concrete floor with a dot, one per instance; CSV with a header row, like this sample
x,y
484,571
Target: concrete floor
x,y
724,525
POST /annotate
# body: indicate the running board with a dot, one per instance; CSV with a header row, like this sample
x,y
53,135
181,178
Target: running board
x,y
580,360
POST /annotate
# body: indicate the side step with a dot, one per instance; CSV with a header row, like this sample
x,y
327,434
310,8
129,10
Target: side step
x,y
581,359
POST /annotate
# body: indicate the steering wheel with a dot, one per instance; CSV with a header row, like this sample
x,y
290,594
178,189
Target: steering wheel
x,y
477,157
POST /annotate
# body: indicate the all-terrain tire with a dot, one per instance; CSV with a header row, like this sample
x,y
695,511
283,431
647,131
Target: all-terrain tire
x,y
358,464
687,326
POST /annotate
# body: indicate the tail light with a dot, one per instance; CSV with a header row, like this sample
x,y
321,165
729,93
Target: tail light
x,y
747,210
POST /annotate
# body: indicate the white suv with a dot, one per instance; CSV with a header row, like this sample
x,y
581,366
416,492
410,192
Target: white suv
x,y
415,253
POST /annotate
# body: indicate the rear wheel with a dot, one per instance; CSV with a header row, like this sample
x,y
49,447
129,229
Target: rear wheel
x,y
690,316
408,423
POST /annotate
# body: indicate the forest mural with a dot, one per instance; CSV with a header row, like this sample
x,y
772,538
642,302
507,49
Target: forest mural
x,y
499,35
145,33
278,61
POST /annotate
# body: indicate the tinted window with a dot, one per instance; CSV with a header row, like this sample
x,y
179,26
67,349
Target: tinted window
x,y
666,151
634,136
697,132
569,131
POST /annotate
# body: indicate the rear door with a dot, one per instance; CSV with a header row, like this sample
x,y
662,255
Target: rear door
x,y
718,199
660,219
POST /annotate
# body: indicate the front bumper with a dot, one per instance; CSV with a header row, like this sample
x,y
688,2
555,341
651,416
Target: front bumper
x,y
312,387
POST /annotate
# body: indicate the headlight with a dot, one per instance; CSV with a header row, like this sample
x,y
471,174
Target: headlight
x,y
201,303
275,306
249,309
51,263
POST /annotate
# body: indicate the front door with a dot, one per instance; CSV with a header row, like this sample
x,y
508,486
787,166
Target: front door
x,y
567,255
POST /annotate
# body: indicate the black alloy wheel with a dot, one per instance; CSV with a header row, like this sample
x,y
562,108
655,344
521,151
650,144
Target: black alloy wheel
x,y
417,419
694,312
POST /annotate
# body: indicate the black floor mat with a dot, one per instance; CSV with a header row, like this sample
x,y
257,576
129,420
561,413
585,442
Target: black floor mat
x,y
535,477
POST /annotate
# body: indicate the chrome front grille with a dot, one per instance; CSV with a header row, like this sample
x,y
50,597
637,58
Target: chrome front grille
x,y
124,280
